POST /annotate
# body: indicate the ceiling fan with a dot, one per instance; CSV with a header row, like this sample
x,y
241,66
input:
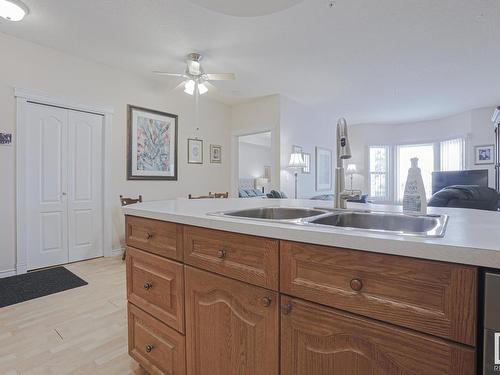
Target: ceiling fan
x,y
196,80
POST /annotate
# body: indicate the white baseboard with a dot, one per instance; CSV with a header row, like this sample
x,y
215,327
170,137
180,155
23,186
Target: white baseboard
x,y
118,251
7,273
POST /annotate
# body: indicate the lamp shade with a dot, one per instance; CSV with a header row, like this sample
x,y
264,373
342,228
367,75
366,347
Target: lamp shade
x,y
296,161
261,181
351,169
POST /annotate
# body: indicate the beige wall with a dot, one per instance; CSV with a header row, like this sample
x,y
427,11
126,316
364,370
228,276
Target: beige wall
x,y
256,116
27,65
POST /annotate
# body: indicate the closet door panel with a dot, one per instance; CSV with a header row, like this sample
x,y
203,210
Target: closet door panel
x,y
85,185
46,182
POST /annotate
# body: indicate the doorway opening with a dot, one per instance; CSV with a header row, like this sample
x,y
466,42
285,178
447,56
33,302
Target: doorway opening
x,y
255,163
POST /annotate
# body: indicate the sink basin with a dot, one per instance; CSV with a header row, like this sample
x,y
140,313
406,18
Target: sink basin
x,y
424,226
274,213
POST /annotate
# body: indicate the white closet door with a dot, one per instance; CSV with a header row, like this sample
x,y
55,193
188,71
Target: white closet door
x,y
85,186
46,177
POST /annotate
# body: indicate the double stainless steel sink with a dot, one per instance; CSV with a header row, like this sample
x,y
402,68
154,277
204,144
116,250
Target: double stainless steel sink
x,y
373,221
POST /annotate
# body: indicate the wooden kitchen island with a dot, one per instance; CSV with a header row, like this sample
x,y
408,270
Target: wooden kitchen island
x,y
205,301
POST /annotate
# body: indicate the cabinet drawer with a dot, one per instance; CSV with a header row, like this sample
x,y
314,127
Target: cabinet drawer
x,y
156,285
158,348
155,236
316,340
246,258
233,327
433,297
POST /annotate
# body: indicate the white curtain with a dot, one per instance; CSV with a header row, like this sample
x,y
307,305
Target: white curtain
x,y
453,154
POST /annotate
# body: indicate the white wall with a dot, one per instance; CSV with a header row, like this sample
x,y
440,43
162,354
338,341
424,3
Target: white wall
x,y
256,116
300,126
475,125
27,65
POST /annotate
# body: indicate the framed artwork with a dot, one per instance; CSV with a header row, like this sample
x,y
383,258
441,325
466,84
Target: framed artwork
x,y
195,151
267,172
152,144
484,154
215,154
6,139
307,159
323,169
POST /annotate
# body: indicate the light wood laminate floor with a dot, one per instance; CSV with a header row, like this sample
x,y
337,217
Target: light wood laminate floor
x,y
79,331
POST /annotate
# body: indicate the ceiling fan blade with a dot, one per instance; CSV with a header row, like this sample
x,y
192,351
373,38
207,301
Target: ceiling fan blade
x,y
210,86
169,74
221,76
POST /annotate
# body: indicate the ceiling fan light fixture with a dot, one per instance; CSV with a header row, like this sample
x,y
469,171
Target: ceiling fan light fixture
x,y
13,10
189,87
202,89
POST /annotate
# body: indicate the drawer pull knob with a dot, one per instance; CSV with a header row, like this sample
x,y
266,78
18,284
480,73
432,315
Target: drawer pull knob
x,y
149,235
221,254
266,301
148,286
356,284
149,348
286,309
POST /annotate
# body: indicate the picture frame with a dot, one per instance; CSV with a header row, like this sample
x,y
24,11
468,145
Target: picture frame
x,y
323,169
195,151
152,139
484,154
216,154
307,159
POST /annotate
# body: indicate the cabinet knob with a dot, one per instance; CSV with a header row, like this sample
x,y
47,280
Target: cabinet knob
x,y
221,254
266,301
149,235
148,286
286,309
356,284
149,348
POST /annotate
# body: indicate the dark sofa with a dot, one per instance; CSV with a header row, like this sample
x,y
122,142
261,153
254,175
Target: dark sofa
x,y
466,196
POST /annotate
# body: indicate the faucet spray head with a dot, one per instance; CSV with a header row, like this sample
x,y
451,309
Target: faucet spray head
x,y
343,147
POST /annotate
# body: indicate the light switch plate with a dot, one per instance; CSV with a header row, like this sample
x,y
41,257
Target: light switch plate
x,y
5,139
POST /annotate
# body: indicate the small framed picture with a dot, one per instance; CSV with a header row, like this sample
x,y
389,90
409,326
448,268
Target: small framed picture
x,y
215,154
195,151
484,154
307,160
323,169
6,139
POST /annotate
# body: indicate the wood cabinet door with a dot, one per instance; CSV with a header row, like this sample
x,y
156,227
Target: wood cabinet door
x,y
317,340
158,348
437,298
232,327
156,285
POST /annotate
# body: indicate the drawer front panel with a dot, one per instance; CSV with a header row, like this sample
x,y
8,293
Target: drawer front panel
x,y
156,285
432,297
316,340
155,236
158,348
246,258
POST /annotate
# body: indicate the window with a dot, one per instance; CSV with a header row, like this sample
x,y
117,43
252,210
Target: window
x,y
452,154
425,155
386,186
379,176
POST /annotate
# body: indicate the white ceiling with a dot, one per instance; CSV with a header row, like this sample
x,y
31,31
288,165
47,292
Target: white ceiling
x,y
370,61
259,139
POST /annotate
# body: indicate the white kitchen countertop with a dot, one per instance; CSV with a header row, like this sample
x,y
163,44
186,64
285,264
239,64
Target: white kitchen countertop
x,y
472,236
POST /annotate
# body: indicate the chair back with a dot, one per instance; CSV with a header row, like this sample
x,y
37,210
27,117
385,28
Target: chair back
x,y
126,201
200,196
219,195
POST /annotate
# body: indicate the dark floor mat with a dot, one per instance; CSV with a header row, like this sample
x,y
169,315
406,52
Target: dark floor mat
x,y
37,284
